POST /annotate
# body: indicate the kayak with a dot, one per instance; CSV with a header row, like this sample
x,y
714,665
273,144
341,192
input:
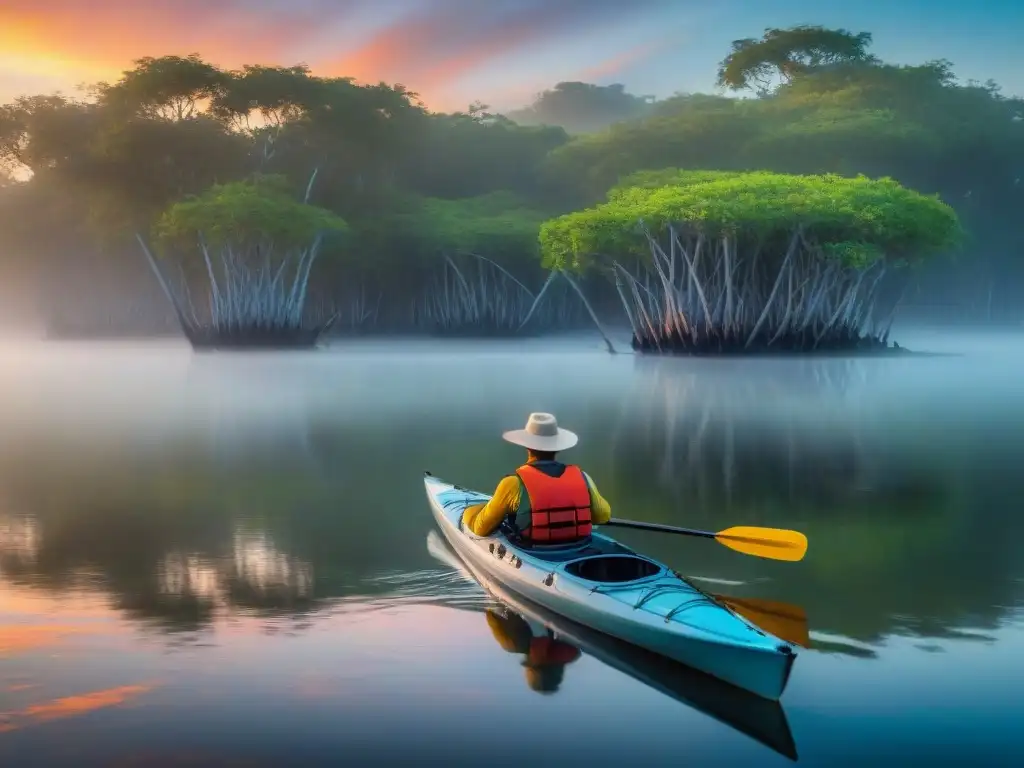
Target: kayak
x,y
604,585
762,720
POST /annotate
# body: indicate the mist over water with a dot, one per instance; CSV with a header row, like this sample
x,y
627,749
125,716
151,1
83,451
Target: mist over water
x,y
234,546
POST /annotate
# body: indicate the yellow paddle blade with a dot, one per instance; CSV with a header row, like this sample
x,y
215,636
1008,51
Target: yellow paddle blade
x,y
774,543
786,621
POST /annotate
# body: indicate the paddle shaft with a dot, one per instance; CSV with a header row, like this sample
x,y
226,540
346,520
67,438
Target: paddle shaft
x,y
659,527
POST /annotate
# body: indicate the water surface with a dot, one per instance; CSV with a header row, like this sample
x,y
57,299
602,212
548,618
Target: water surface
x,y
223,559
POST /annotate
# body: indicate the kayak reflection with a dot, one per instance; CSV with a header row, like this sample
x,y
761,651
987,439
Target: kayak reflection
x,y
761,719
545,656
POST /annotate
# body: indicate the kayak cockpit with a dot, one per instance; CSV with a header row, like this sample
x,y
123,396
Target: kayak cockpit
x,y
613,569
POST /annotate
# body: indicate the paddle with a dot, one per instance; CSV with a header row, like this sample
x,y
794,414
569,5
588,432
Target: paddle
x,y
785,621
773,543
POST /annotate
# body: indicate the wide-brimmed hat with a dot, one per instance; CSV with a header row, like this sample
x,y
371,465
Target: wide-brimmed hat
x,y
542,434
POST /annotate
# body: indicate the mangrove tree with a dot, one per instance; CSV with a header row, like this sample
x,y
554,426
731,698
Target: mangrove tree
x,y
720,262
257,243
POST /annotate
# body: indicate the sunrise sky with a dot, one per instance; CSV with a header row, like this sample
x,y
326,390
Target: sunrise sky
x,y
501,52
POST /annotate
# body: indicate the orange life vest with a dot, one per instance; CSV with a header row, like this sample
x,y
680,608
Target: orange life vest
x,y
559,506
547,651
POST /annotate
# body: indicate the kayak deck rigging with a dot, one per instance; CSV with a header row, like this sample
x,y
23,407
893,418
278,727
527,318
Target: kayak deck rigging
x,y
653,591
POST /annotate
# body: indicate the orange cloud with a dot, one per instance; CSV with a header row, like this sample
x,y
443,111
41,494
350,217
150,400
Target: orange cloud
x,y
427,47
438,47
435,48
84,41
71,706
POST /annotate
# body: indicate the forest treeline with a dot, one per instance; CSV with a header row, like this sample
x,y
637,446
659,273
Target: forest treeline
x,y
433,202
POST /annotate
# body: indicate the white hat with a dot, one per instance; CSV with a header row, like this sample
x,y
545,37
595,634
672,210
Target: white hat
x,y
542,434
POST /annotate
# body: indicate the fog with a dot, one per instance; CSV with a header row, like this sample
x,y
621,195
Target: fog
x,y
886,463
161,390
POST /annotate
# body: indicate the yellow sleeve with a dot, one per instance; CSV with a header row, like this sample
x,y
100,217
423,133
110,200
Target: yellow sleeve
x,y
511,632
600,509
484,519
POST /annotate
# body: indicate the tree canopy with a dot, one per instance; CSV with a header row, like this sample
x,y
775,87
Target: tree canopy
x,y
411,184
856,220
261,210
788,53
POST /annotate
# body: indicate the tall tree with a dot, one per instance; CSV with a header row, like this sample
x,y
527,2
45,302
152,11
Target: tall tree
x,y
784,54
46,133
169,87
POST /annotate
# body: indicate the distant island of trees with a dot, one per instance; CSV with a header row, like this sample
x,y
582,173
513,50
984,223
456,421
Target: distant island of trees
x,y
269,203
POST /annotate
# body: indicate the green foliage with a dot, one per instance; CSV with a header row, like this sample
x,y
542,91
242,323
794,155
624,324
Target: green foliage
x,y
455,149
144,163
411,183
842,140
492,225
46,132
857,220
915,124
240,213
172,87
498,226
789,53
640,181
693,133
276,94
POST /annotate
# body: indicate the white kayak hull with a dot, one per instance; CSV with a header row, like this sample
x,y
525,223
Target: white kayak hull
x,y
658,610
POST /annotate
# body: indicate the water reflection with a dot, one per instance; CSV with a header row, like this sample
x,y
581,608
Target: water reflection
x,y
19,542
768,433
71,706
549,642
264,518
295,492
262,577
182,591
892,514
544,655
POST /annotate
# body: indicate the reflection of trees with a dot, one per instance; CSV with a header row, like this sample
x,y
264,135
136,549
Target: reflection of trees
x,y
214,519
719,433
893,529
147,507
177,591
262,578
175,539
19,543
188,591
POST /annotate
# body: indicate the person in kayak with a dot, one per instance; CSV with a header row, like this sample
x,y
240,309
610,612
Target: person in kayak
x,y
545,502
544,655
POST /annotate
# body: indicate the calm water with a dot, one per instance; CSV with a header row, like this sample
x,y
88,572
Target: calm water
x,y
224,560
